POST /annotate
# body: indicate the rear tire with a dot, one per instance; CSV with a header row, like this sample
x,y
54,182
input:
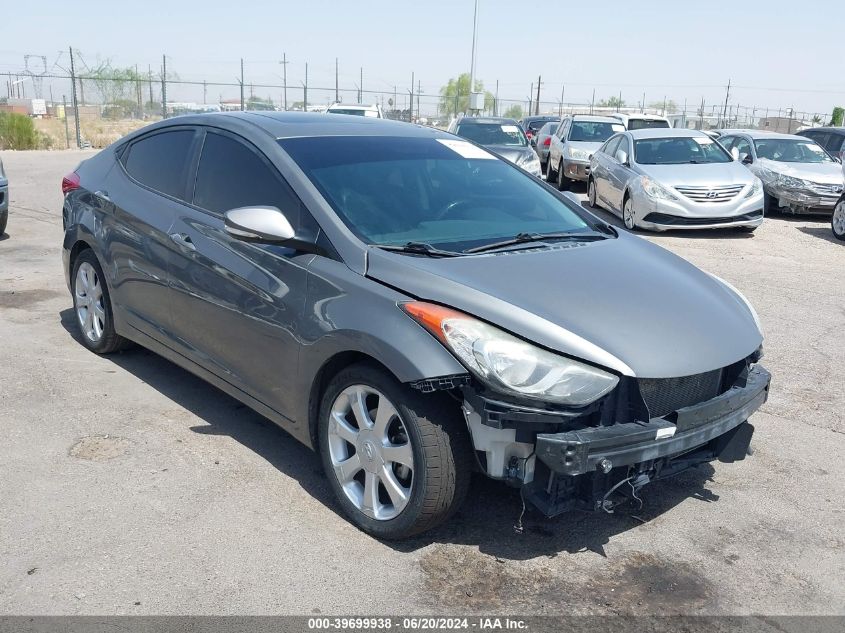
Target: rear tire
x,y
92,306
428,427
4,218
551,174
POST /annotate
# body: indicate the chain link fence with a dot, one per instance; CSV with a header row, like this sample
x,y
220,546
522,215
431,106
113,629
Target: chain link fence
x,y
96,108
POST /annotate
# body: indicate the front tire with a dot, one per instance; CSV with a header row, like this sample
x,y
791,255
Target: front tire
x,y
4,218
551,174
563,182
628,214
397,460
837,221
591,194
92,306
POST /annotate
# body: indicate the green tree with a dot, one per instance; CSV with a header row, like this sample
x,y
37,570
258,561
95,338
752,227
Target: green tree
x,y
837,115
612,102
454,96
513,112
671,106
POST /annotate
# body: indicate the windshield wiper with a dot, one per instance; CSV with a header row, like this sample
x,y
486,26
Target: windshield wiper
x,y
418,248
525,238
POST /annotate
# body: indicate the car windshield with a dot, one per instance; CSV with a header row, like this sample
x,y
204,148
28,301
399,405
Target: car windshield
x,y
443,192
789,150
679,151
493,133
551,129
536,125
352,111
594,131
643,124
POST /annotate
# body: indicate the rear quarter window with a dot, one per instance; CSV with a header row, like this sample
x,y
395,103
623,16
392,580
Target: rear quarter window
x,y
160,161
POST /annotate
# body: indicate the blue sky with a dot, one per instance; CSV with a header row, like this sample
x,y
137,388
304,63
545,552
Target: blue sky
x,y
777,54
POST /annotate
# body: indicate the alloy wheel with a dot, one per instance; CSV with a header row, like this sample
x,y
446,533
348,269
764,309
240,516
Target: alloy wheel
x,y
370,452
90,312
837,222
628,214
591,192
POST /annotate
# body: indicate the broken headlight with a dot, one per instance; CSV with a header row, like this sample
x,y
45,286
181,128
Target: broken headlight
x,y
509,364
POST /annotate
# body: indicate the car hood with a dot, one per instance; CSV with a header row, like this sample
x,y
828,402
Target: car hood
x,y
826,173
586,146
623,303
511,153
709,174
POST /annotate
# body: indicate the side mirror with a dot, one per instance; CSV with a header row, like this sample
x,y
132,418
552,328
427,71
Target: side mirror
x,y
746,159
266,225
622,156
735,153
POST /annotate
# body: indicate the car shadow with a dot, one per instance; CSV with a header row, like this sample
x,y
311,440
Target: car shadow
x,y
4,237
487,519
823,232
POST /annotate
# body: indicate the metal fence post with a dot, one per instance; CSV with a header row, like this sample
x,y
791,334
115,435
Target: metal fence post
x,y
73,99
67,130
164,86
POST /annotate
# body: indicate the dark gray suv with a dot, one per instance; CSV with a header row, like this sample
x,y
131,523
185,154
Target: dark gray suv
x,y
411,306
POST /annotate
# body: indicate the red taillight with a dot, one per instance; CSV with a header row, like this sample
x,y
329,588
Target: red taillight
x,y
70,182
548,141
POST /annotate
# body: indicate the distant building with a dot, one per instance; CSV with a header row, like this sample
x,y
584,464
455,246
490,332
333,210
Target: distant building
x,y
787,125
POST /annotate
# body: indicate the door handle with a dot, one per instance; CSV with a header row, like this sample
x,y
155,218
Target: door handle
x,y
184,240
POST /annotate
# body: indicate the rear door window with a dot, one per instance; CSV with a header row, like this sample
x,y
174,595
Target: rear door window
x,y
160,161
231,174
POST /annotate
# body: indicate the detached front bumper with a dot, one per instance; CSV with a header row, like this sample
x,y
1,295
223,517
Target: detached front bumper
x,y
802,200
602,448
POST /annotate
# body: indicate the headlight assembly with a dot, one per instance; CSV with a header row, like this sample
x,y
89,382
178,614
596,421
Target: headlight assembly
x,y
755,188
655,190
790,182
508,364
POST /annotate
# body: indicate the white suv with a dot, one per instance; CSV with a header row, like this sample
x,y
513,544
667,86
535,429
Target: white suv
x,y
357,109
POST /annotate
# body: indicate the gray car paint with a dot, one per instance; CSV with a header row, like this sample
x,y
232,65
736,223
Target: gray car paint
x,y
621,303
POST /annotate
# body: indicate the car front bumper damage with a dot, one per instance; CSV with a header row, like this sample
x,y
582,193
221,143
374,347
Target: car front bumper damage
x,y
580,467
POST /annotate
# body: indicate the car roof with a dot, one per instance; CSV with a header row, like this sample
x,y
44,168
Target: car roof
x,y
758,134
541,117
639,115
305,124
826,128
481,120
593,118
666,132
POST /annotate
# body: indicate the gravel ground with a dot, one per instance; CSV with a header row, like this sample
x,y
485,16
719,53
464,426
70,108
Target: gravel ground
x,y
128,486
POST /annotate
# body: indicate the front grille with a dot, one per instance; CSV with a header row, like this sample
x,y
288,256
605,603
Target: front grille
x,y
827,190
677,220
665,395
710,194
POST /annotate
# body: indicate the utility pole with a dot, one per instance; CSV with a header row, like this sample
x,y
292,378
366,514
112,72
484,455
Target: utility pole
x,y
643,102
361,81
664,105
395,104
537,107
73,99
336,91
164,86
496,100
727,94
419,90
472,62
592,103
411,106
619,102
305,90
531,99
204,92
284,64
242,84
562,92
67,131
150,81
